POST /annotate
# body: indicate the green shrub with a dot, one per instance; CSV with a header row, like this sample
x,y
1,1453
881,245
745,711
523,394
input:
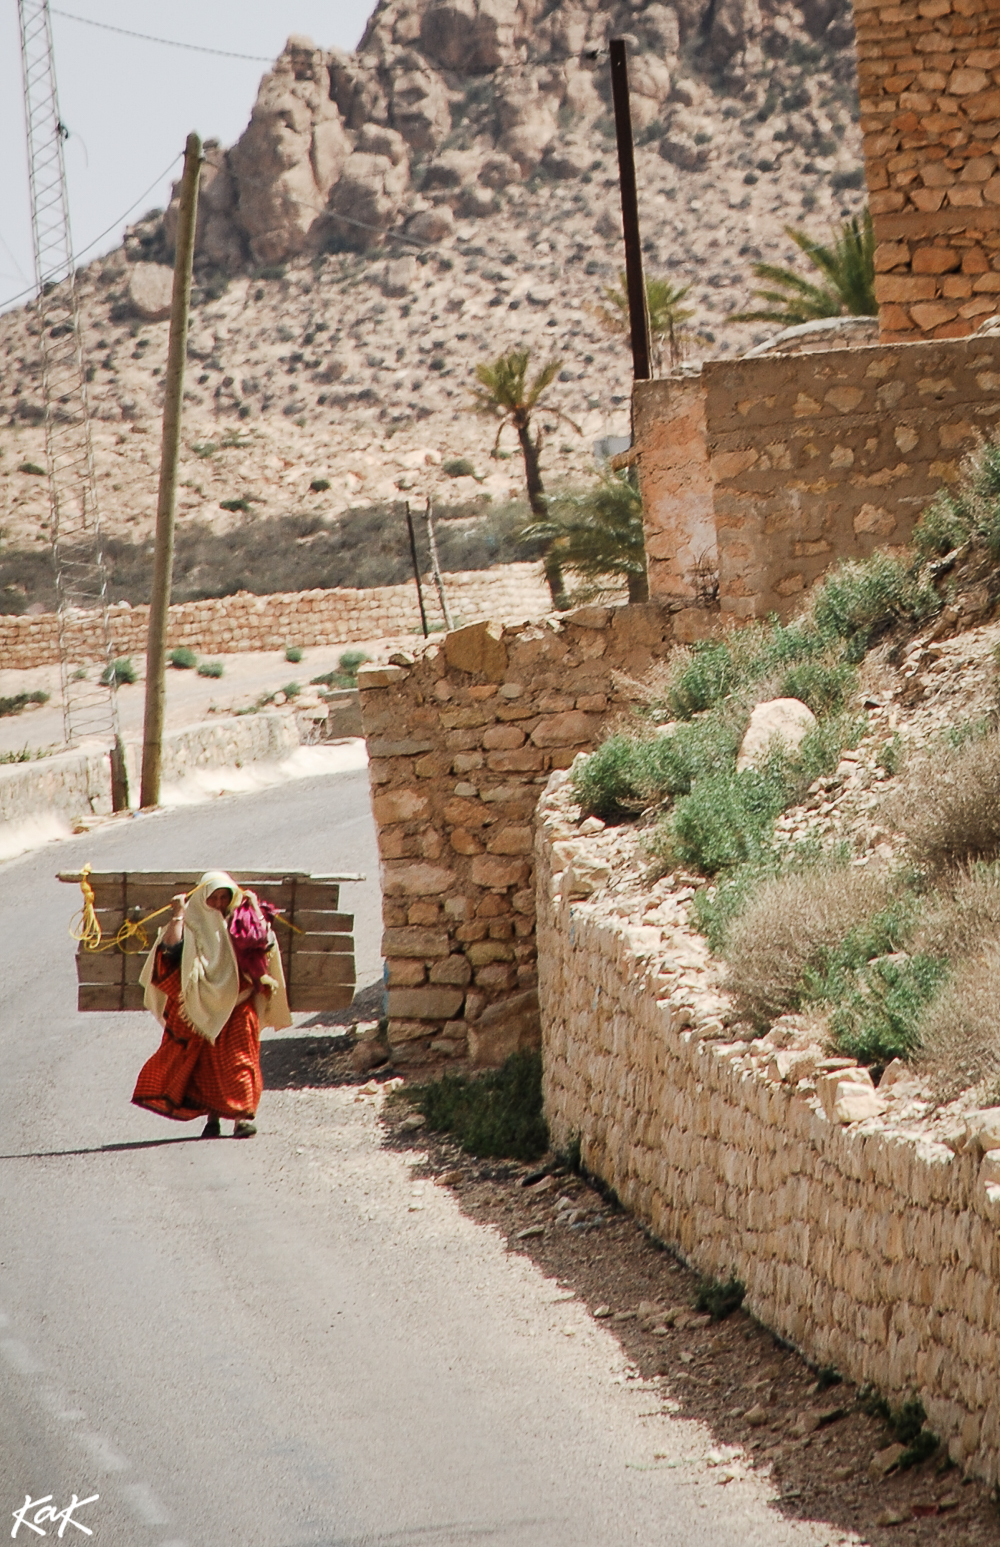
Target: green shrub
x,y
351,662
459,467
211,669
18,701
726,819
293,654
498,1114
25,755
825,686
972,510
625,774
861,600
32,467
182,658
120,671
292,689
879,1019
241,504
717,1298
319,485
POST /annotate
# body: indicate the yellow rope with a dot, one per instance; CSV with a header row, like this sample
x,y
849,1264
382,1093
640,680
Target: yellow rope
x,y
85,927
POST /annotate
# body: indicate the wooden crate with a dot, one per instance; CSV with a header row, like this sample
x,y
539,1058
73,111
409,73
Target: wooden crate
x,y
317,951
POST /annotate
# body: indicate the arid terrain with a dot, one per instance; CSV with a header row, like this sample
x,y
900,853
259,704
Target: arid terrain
x,y
390,219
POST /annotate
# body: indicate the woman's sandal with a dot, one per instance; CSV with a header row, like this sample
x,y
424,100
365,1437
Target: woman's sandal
x,y
212,1129
244,1129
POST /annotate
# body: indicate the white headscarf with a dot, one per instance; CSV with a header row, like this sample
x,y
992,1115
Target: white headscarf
x,y
210,979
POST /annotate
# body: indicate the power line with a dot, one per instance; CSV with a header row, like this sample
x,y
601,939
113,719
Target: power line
x,y
145,37
84,250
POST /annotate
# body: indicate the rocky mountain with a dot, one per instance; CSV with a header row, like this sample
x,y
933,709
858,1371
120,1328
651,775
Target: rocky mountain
x,y
392,216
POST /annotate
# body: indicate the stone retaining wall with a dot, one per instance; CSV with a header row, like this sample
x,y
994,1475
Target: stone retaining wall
x,y
929,81
225,624
78,784
802,460
461,736
874,1252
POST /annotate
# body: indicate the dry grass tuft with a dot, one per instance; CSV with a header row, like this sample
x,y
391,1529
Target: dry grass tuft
x,y
949,807
966,918
791,923
958,1034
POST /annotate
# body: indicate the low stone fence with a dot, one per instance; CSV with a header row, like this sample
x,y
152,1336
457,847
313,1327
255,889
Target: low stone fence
x,y
770,470
77,784
873,1251
462,734
225,624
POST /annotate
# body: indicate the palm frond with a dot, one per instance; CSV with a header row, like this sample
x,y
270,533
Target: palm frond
x,y
848,265
596,533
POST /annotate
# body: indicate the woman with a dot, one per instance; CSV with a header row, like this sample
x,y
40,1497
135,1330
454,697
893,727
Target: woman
x,y
212,979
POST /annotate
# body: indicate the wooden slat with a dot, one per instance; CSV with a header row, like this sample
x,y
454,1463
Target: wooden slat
x,y
309,919
317,894
329,945
99,967
99,996
132,997
311,999
316,970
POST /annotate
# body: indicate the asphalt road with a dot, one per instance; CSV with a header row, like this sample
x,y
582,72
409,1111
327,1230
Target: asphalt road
x,y
286,1342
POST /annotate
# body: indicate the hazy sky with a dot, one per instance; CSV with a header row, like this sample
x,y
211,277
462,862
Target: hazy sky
x,y
129,105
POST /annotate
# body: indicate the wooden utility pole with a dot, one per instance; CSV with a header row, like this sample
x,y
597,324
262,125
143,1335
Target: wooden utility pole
x,y
163,559
637,314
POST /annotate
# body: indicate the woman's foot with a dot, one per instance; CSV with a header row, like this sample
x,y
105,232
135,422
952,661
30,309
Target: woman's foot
x,y
244,1129
212,1129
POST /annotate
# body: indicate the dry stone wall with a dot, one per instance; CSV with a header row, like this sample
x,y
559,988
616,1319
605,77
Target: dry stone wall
x,y
78,784
461,736
929,82
803,460
877,1253
225,624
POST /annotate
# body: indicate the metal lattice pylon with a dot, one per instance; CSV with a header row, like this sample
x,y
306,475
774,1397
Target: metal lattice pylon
x,y
90,710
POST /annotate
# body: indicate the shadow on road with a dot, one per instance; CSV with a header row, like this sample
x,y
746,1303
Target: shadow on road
x,y
105,1149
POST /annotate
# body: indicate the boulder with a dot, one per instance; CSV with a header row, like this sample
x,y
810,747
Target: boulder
x,y
366,200
785,721
478,648
499,171
150,288
567,161
471,36
475,201
512,1026
420,108
849,1096
432,225
399,276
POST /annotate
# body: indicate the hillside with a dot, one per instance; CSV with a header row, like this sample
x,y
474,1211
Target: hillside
x,y
391,217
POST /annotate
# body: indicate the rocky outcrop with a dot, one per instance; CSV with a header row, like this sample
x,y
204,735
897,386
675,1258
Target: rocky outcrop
x,y
475,95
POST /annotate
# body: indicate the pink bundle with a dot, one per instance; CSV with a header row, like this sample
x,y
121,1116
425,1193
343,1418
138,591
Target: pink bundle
x,y
249,926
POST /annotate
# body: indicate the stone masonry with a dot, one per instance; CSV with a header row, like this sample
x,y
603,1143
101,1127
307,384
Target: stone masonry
x,y
929,81
225,624
461,736
802,460
874,1251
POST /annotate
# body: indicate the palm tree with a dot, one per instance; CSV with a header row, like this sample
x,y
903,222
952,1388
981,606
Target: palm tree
x,y
663,307
505,393
848,267
598,533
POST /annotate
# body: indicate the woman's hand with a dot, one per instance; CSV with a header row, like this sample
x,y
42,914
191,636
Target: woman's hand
x,y
175,929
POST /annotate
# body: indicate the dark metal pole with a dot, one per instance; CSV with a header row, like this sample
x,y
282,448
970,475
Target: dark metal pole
x,y
416,568
638,318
